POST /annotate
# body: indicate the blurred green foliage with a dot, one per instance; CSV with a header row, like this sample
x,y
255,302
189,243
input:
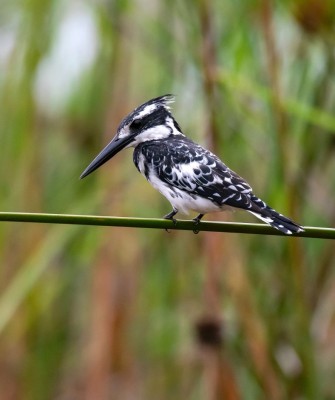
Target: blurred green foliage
x,y
111,313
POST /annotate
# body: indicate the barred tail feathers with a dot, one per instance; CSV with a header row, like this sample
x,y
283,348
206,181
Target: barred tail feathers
x,y
273,218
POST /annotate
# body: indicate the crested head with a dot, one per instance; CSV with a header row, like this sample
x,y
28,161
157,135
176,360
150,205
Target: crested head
x,y
161,102
150,121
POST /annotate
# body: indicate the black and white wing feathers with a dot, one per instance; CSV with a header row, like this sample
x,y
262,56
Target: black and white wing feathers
x,y
187,166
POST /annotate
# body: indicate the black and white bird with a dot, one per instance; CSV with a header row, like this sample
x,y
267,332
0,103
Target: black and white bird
x,y
189,176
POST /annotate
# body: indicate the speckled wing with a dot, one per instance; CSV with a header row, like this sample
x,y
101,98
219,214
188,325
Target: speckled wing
x,y
189,167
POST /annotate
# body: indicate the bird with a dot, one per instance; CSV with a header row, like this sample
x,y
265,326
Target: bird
x,y
191,177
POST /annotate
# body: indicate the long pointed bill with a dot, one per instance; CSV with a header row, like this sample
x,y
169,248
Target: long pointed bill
x,y
107,153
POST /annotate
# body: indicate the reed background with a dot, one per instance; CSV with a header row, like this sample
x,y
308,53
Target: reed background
x,y
114,313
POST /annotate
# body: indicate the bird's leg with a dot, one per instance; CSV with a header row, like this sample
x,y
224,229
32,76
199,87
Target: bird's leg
x,y
197,219
196,222
170,217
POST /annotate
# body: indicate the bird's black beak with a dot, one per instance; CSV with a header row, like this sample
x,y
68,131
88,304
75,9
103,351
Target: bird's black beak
x,y
116,145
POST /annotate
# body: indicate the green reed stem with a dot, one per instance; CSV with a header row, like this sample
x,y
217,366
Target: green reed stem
x,y
155,223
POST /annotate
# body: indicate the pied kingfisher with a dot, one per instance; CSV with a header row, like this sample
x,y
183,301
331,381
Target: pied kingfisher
x,y
189,176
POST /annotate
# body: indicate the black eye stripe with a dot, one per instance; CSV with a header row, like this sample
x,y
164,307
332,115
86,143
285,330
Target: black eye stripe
x,y
157,117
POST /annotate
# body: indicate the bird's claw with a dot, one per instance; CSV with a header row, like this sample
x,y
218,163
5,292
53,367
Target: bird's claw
x,y
196,221
170,219
196,231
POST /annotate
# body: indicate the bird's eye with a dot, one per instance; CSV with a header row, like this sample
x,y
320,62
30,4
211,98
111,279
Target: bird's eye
x,y
136,124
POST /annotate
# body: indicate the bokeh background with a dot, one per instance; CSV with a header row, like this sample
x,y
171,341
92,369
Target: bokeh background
x,y
115,313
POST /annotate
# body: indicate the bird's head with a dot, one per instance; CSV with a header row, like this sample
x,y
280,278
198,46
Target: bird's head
x,y
150,121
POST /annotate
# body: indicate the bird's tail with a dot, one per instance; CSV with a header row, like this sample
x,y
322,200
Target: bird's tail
x,y
273,218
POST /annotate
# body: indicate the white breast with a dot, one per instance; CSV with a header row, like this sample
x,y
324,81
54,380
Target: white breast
x,y
181,200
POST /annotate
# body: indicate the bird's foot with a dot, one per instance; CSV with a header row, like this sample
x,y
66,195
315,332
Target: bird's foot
x,y
170,217
197,222
198,219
